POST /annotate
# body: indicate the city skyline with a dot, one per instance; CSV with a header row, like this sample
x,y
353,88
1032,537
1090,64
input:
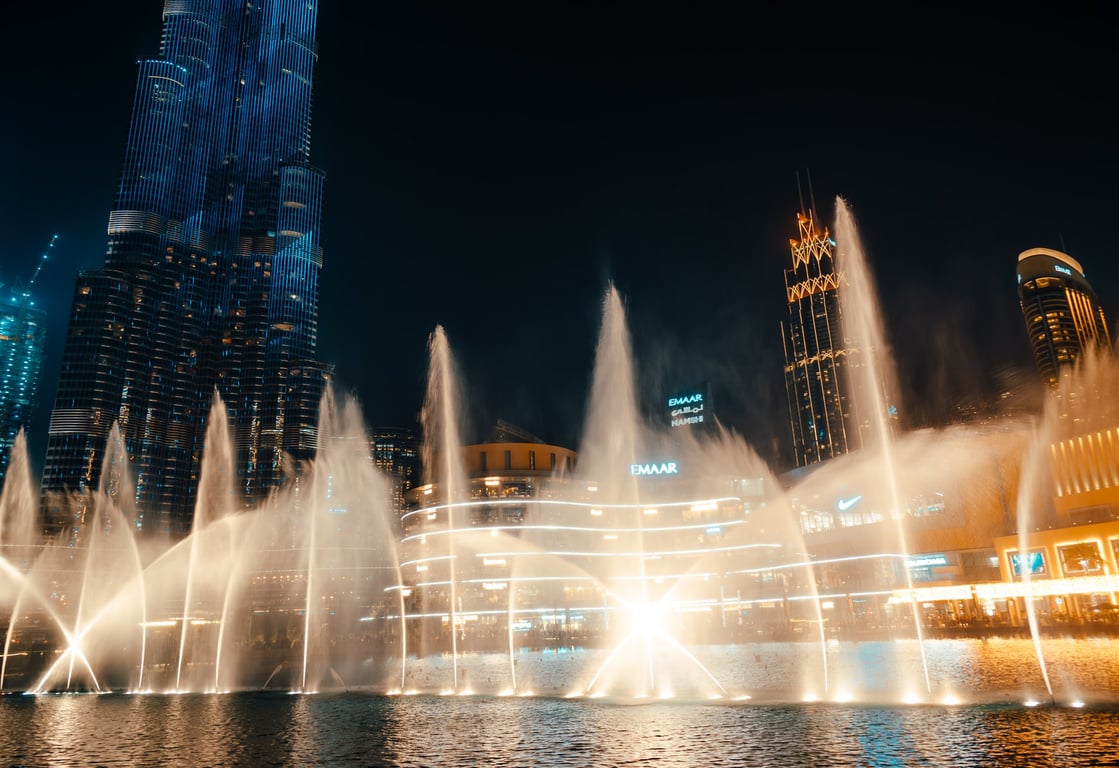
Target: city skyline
x,y
209,285
494,185
22,336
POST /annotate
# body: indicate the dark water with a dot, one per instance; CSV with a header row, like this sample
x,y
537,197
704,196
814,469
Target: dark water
x,y
770,729
370,730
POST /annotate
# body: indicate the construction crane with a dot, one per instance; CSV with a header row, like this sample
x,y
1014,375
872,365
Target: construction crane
x,y
50,245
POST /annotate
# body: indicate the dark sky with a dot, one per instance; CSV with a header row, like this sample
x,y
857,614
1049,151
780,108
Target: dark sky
x,y
491,170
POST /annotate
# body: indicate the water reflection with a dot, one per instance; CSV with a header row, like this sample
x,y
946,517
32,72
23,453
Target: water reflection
x,y
363,729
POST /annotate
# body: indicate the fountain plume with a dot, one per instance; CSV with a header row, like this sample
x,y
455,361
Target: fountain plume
x,y
19,504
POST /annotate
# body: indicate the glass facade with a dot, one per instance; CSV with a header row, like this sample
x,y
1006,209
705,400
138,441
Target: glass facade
x,y
22,336
1063,316
396,453
816,358
210,280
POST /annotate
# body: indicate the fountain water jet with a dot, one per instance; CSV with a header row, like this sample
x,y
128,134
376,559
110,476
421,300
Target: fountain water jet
x,y
442,460
19,504
873,377
215,492
608,583
18,513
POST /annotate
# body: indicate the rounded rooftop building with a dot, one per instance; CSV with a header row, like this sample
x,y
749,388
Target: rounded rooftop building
x,y
1063,316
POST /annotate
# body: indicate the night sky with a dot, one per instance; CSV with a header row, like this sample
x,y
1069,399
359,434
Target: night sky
x,y
491,171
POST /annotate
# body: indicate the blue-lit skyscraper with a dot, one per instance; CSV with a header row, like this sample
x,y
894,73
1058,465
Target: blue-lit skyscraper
x,y
23,332
210,280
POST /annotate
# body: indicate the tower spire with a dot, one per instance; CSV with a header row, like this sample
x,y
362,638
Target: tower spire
x,y
39,267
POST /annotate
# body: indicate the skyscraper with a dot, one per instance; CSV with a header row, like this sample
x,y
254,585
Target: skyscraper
x,y
23,332
396,452
210,279
816,359
1063,316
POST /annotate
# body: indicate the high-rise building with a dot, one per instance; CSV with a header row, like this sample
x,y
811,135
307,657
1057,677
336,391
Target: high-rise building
x,y
816,358
396,452
1063,316
23,331
210,279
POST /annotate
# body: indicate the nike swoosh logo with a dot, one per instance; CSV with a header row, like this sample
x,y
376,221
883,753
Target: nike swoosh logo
x,y
846,504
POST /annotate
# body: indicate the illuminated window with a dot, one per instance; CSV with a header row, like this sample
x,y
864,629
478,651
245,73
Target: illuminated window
x,y
1081,558
1034,562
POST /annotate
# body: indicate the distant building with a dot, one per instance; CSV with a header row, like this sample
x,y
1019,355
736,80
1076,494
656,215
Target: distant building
x,y
210,279
816,359
396,453
22,336
1063,316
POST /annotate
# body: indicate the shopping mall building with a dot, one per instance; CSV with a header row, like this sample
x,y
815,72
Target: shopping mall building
x,y
969,527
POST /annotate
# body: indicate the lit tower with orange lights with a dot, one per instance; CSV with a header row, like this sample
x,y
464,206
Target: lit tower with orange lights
x,y
1063,316
815,355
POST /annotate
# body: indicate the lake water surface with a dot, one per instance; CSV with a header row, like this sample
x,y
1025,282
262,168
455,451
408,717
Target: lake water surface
x,y
994,727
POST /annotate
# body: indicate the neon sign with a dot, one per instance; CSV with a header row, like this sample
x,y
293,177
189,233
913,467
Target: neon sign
x,y
686,409
662,468
1063,270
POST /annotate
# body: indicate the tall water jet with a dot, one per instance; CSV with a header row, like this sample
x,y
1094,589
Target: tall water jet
x,y
612,425
19,506
108,614
19,510
1031,494
442,460
1083,404
214,501
347,555
640,527
610,445
310,507
873,379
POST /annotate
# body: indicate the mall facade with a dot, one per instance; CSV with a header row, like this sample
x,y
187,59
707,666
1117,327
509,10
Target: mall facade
x,y
523,550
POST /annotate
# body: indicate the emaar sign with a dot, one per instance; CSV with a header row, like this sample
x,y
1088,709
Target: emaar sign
x,y
662,468
686,409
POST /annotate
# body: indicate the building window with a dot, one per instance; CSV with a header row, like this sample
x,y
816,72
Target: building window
x,y
508,459
553,461
1081,558
532,459
482,458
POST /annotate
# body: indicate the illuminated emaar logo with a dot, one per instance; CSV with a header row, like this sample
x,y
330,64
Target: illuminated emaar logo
x,y
662,468
686,409
685,400
1063,270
